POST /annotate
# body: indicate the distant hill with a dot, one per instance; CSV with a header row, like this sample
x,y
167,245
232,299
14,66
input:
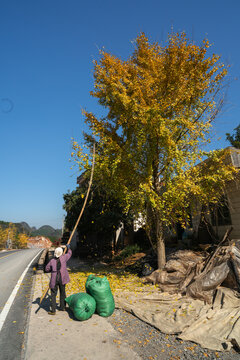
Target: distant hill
x,y
46,230
22,227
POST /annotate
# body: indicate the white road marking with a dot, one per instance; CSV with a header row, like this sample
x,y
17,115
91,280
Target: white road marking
x,y
11,298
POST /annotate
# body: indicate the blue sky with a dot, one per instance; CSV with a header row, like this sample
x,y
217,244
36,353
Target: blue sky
x,y
47,49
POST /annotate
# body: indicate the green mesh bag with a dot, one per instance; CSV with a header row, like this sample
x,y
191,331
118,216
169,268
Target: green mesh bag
x,y
83,305
99,288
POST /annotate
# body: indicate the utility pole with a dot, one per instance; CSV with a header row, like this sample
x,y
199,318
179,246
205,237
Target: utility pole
x,y
9,241
63,224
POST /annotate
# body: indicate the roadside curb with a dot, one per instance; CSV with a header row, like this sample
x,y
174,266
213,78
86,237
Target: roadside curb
x,y
41,262
23,355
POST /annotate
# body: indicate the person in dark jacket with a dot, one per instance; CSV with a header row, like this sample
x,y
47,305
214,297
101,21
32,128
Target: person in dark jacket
x,y
59,276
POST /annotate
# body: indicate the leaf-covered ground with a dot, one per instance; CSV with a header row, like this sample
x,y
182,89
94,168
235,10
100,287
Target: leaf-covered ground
x,y
147,341
118,277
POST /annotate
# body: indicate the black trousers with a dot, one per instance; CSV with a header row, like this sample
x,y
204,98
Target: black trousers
x,y
62,294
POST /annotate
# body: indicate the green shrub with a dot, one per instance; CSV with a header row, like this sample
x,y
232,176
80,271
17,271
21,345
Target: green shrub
x,y
127,251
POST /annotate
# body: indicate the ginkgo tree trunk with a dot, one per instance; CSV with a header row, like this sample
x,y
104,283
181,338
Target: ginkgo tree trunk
x,y
159,106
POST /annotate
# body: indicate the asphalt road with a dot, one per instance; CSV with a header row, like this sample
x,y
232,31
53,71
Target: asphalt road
x,y
13,332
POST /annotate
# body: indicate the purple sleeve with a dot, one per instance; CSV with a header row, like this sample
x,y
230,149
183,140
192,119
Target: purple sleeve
x,y
48,267
68,255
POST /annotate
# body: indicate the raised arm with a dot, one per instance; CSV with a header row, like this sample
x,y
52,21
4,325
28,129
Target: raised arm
x,y
69,252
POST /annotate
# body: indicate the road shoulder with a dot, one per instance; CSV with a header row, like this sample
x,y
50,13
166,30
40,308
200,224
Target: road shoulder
x,y
61,335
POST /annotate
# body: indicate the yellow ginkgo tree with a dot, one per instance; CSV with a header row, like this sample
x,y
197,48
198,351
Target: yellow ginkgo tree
x,y
9,232
159,107
3,237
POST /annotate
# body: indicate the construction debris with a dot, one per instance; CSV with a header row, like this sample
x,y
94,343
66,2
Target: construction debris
x,y
198,274
199,297
39,242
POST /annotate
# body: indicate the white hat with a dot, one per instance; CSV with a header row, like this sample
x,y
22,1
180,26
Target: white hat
x,y
58,252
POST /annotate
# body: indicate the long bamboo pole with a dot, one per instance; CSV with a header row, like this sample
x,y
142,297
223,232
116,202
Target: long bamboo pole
x,y
79,217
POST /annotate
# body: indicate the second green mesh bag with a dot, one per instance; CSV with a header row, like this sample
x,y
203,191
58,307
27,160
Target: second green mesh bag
x,y
99,288
83,305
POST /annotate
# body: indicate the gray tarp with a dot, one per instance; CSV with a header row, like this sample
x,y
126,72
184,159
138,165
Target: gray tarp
x,y
215,327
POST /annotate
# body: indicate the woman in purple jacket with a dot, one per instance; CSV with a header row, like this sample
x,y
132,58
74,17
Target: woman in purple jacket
x,y
59,276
